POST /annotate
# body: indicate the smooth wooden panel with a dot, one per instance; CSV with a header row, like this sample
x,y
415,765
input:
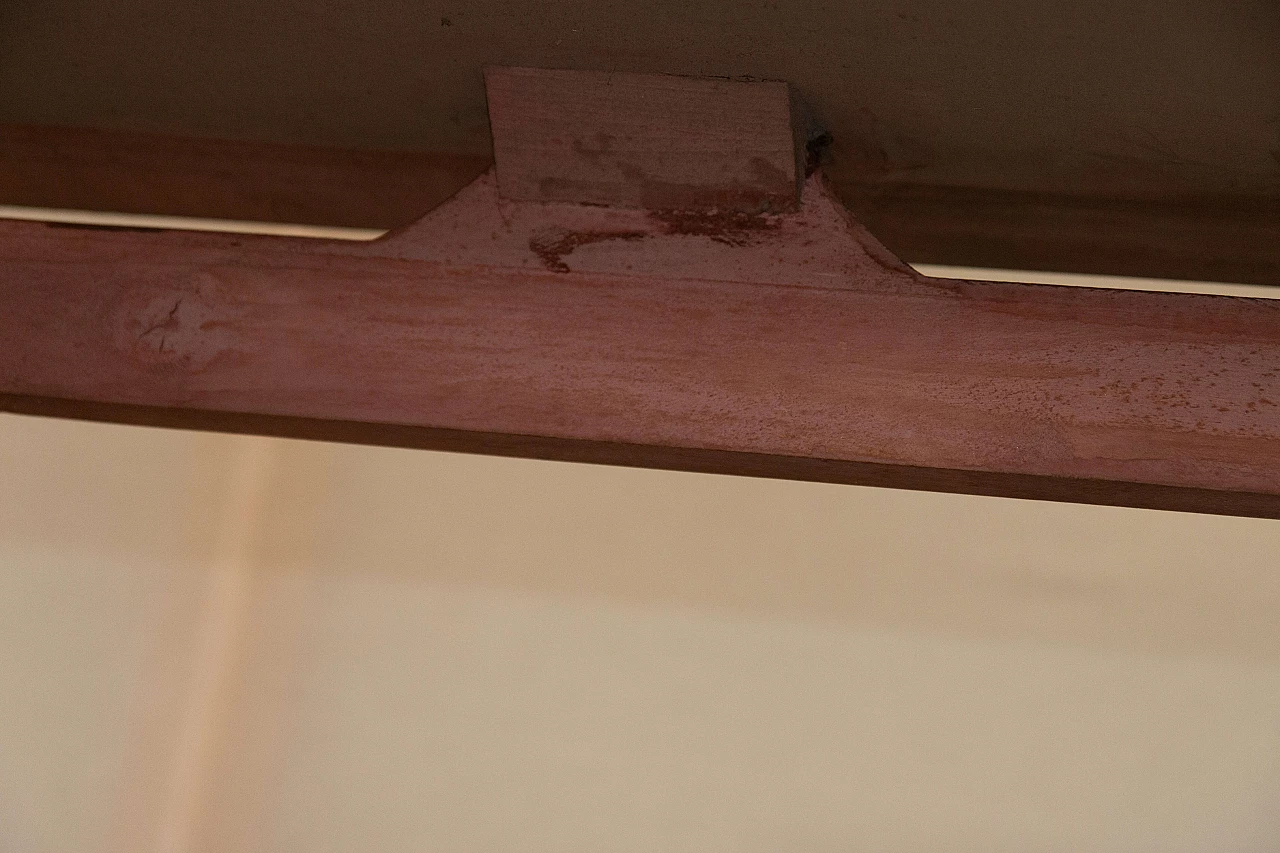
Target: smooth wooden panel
x,y
879,376
1191,238
1092,97
642,140
1224,239
148,173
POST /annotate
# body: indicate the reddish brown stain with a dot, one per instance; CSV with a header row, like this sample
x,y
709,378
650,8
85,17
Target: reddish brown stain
x,y
640,189
749,197
730,227
552,247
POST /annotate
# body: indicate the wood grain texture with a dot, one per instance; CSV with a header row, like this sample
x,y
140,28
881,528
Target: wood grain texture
x,y
643,140
841,365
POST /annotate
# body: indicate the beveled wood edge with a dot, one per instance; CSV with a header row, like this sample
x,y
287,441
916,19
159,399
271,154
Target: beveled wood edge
x,y
666,458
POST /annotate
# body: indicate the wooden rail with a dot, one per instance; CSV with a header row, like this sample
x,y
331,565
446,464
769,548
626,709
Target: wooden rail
x,y
782,346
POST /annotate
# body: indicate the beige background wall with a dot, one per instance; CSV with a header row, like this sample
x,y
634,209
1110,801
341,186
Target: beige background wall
x,y
226,644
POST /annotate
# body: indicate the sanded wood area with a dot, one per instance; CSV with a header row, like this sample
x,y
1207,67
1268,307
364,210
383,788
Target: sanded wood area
x,y
480,329
643,140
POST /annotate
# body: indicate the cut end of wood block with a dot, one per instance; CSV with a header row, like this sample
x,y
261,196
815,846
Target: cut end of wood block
x,y
643,140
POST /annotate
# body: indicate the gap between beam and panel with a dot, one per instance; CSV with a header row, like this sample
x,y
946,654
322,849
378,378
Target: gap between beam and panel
x,y
107,219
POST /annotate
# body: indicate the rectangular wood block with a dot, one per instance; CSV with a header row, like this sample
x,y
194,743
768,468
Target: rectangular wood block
x,y
643,140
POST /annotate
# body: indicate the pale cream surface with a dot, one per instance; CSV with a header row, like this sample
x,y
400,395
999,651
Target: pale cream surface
x,y
214,643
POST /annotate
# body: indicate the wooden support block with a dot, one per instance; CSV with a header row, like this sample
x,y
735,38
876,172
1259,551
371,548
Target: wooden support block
x,y
787,346
643,140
